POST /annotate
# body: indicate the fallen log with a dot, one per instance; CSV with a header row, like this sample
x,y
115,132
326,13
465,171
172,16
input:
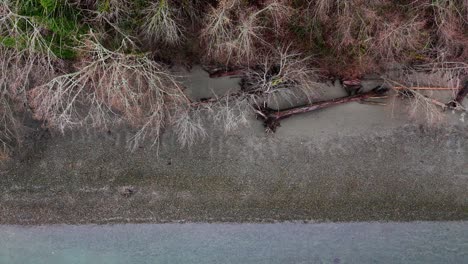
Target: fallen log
x,y
272,117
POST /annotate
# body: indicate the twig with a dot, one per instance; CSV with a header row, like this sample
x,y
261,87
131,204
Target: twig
x,y
423,88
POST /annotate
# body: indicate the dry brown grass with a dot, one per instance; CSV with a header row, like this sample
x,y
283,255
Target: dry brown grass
x,y
451,20
351,23
396,39
9,127
236,33
161,23
219,32
321,8
372,36
342,33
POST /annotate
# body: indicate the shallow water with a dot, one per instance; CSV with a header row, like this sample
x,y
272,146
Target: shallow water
x,y
416,242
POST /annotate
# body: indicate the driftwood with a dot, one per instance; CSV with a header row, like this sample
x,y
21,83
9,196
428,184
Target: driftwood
x,y
272,117
222,73
424,88
461,94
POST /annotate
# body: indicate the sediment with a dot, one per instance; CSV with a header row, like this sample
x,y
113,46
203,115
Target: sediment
x,y
347,163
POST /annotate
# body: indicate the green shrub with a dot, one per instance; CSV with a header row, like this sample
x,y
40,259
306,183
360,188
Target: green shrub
x,y
57,23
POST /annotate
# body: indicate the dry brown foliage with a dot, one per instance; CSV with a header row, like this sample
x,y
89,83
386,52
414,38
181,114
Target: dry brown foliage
x,y
234,33
451,22
284,75
110,88
9,127
162,23
383,32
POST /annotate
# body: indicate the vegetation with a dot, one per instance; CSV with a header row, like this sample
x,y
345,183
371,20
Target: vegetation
x,y
75,63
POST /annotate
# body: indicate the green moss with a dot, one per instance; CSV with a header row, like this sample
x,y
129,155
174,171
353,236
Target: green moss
x,y
28,7
8,42
49,5
58,21
104,6
18,43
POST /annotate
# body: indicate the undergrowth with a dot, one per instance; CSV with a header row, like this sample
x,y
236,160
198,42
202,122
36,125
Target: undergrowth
x,y
103,63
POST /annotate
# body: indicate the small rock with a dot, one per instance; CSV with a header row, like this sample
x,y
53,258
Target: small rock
x,y
127,191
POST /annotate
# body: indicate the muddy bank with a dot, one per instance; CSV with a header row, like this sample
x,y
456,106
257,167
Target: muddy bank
x,y
351,162
405,172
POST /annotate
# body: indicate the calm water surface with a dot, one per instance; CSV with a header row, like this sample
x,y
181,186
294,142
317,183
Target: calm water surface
x,y
417,242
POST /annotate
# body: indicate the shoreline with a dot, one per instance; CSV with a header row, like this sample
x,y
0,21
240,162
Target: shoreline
x,y
351,162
